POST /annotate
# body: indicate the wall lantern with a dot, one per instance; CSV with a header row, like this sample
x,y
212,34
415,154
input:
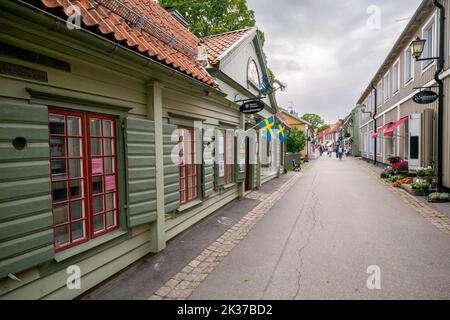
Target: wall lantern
x,y
417,47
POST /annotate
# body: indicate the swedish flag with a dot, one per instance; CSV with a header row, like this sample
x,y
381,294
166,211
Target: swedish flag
x,y
281,133
268,124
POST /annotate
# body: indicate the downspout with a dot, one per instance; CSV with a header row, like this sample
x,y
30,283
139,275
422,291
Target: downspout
x,y
374,117
440,67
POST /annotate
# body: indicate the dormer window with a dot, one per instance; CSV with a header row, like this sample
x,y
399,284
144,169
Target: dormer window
x,y
253,74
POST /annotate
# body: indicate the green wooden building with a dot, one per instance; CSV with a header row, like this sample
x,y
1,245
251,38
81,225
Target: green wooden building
x,y
108,129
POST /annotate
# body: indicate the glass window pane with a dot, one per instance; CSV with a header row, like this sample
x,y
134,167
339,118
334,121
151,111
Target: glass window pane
x,y
59,191
99,223
77,209
107,128
109,165
76,189
57,124
61,235
110,219
97,185
110,201
74,147
60,213
75,168
96,146
73,126
59,170
96,127
108,147
57,147
77,230
98,204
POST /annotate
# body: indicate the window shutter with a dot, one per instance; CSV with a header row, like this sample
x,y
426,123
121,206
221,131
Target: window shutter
x,y
240,155
427,134
141,171
26,222
415,128
219,154
171,168
208,165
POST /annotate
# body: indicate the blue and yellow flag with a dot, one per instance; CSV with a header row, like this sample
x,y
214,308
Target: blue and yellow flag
x,y
281,133
268,124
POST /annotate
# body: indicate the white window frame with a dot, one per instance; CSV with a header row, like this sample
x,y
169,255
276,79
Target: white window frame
x,y
379,95
386,86
396,64
379,143
432,22
413,67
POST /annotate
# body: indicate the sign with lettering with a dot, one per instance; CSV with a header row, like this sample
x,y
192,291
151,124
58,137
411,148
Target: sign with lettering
x,y
425,97
254,106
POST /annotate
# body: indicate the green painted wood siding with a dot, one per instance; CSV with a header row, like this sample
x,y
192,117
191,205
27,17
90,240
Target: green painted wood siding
x,y
141,171
26,231
208,164
171,169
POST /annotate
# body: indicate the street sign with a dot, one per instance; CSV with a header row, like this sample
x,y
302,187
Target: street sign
x,y
254,106
425,97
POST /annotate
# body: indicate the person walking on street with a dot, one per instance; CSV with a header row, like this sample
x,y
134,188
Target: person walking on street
x,y
330,151
340,152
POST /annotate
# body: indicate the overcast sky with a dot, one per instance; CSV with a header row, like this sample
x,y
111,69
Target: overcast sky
x,y
325,50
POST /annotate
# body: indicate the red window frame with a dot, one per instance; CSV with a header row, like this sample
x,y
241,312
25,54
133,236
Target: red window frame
x,y
188,181
103,174
86,162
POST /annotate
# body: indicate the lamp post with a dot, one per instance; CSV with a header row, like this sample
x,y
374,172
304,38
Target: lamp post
x,y
417,48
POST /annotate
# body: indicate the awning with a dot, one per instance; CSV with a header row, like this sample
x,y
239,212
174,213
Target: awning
x,y
376,134
390,131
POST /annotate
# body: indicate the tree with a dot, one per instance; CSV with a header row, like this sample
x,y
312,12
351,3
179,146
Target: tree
x,y
315,120
296,141
209,17
323,128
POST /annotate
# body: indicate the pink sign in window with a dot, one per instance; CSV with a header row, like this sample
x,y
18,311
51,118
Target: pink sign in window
x,y
110,183
97,166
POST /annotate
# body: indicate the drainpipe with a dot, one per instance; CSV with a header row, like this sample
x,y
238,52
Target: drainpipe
x,y
440,67
375,162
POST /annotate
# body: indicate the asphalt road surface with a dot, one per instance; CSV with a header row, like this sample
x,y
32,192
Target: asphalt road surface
x,y
336,224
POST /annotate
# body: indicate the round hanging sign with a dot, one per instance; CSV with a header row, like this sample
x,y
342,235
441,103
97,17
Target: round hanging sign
x,y
425,97
252,106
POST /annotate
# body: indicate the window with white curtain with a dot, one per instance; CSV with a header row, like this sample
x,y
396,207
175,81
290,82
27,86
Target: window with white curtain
x,y
386,87
409,66
396,78
428,51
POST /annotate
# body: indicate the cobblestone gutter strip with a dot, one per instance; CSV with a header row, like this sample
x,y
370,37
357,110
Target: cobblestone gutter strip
x,y
181,286
436,218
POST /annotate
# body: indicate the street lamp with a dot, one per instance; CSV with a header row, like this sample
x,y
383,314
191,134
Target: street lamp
x,y
417,47
363,108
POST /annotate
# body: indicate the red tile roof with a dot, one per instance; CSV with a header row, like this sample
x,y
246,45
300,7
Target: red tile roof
x,y
107,23
217,44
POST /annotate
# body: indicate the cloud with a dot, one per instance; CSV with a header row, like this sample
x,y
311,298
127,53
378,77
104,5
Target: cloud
x,y
324,50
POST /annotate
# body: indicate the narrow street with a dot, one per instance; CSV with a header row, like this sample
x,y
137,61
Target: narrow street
x,y
318,241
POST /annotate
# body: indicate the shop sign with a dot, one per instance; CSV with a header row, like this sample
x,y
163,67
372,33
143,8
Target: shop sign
x,y
425,97
254,106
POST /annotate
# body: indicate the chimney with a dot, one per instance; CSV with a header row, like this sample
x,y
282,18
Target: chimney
x,y
202,55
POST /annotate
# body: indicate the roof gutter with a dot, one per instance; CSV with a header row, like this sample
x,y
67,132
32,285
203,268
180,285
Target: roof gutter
x,y
54,23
